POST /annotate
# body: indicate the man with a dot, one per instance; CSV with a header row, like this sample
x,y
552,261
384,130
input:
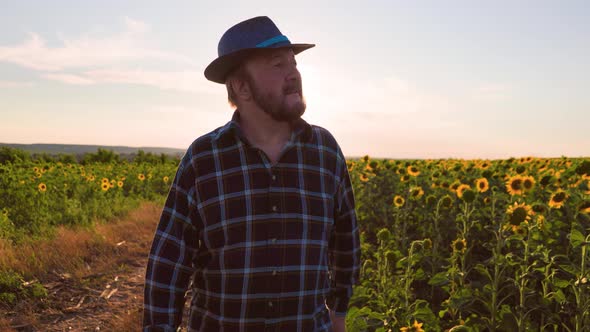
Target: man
x,y
261,211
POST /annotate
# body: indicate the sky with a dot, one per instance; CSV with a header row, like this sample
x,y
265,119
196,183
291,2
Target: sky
x,y
389,79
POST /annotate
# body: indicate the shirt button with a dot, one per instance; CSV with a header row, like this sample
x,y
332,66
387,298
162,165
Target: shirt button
x,y
274,177
273,240
274,208
270,304
274,273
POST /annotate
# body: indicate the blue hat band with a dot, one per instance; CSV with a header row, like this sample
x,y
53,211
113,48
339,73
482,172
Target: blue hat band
x,y
272,41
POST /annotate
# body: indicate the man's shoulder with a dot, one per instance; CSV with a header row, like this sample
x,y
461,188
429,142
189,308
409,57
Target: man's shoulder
x,y
203,145
323,136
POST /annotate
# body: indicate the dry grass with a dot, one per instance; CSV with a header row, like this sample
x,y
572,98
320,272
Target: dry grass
x,y
108,248
79,252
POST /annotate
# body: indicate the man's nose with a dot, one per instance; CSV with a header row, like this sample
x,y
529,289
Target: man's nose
x,y
293,73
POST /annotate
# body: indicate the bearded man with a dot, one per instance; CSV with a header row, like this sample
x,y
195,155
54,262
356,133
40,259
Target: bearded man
x,y
260,219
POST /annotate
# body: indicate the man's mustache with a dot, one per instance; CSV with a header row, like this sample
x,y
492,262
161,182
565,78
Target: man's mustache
x,y
292,88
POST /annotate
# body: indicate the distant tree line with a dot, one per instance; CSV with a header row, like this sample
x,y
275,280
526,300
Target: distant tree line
x,y
12,155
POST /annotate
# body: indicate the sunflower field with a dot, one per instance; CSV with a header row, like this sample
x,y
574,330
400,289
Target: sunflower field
x,y
36,196
459,245
472,245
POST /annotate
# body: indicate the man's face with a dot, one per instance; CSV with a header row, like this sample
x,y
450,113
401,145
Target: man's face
x,y
275,84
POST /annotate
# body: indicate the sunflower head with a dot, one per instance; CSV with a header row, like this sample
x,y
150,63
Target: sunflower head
x,y
415,327
518,213
430,200
487,200
539,208
141,177
558,199
42,187
584,207
398,201
514,185
520,169
459,245
383,235
416,192
528,182
413,170
363,177
461,189
482,185
468,196
446,202
546,180
105,186
120,184
165,179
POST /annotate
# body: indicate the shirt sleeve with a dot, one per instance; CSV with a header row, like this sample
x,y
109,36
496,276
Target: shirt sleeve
x,y
344,247
169,267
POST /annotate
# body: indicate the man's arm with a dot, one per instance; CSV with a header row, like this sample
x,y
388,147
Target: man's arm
x,y
344,249
169,267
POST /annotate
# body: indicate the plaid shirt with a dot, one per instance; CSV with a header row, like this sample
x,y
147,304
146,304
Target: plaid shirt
x,y
269,247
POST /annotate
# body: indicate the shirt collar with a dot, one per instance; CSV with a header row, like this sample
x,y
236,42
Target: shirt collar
x,y
301,129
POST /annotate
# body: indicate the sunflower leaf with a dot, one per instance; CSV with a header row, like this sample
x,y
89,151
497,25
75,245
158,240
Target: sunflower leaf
x,y
576,238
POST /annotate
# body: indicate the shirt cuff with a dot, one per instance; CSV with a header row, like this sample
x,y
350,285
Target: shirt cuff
x,y
338,304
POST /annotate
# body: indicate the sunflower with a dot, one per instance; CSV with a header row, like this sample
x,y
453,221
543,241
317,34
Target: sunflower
x,y
484,165
514,185
584,207
416,327
558,199
42,187
104,180
398,201
540,220
166,179
455,185
404,178
105,186
350,165
364,177
517,214
120,184
413,170
459,245
416,192
487,200
446,202
461,189
482,185
141,177
528,182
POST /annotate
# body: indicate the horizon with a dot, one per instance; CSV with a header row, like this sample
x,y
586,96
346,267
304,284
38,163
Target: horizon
x,y
388,79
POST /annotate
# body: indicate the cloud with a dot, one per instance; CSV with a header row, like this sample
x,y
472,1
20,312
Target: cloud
x,y
87,51
69,79
15,84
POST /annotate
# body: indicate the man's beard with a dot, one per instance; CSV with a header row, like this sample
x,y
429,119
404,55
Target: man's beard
x,y
276,106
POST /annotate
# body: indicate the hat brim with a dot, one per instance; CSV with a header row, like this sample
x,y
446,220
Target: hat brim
x,y
217,70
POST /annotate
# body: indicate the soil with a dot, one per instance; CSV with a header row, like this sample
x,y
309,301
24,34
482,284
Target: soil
x,y
107,300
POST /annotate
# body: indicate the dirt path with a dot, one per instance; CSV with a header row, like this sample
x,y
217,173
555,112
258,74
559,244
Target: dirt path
x,y
107,298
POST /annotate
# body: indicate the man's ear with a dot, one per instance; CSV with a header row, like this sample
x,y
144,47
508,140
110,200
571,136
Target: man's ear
x,y
241,88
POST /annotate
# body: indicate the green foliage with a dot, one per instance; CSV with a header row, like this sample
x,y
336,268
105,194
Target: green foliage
x,y
492,257
36,196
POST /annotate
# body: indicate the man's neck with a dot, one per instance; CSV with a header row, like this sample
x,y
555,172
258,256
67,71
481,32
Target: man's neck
x,y
263,131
